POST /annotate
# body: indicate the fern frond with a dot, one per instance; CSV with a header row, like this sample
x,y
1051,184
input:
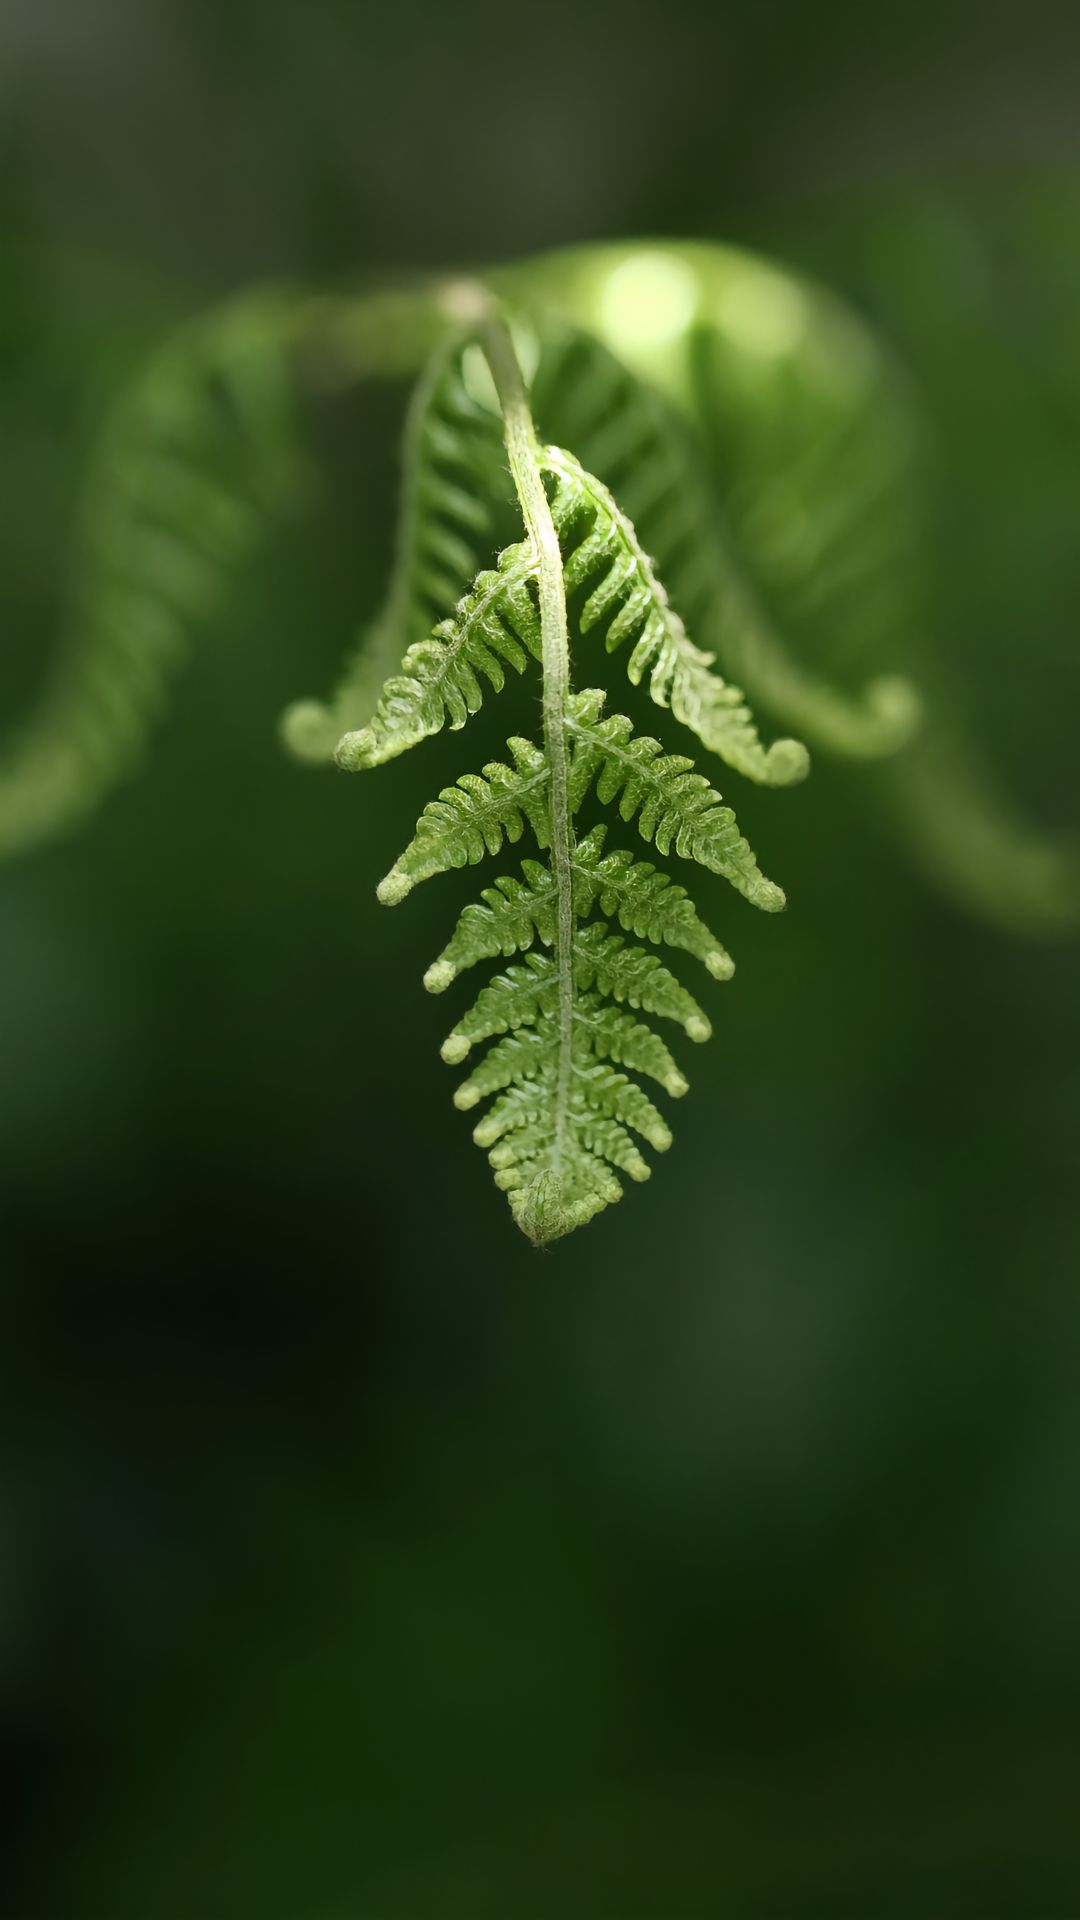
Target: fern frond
x,y
472,818
975,843
604,554
193,461
817,471
672,805
494,627
453,474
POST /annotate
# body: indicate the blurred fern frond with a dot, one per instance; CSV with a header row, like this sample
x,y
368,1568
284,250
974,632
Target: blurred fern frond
x,y
199,453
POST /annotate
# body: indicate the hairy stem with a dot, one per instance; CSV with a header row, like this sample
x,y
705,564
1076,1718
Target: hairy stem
x,y
523,451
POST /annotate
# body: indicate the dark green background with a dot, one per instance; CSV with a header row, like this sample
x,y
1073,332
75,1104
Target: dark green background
x,y
357,1563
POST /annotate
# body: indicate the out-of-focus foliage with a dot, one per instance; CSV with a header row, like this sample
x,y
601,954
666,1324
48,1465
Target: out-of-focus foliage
x,y
353,1567
981,294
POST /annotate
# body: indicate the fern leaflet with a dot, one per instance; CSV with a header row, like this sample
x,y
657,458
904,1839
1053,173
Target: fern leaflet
x,y
495,626
672,805
472,818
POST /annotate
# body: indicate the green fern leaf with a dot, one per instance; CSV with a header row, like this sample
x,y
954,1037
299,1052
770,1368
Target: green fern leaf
x,y
194,459
563,1118
512,915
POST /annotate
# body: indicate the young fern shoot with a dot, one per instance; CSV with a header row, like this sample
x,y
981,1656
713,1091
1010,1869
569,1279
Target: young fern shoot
x,y
563,1120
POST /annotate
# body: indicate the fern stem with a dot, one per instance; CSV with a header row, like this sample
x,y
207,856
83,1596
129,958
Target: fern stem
x,y
523,452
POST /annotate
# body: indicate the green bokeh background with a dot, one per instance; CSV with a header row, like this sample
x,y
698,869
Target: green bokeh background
x,y
357,1563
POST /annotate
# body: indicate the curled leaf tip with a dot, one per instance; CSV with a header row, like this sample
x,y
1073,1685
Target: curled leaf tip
x,y
786,763
354,750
